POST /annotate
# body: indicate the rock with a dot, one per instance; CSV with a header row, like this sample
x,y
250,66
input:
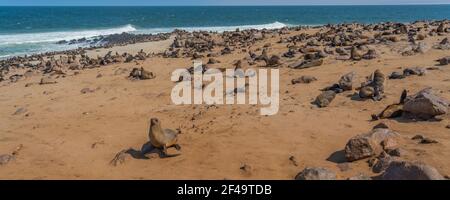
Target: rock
x,y
445,41
344,167
425,105
367,145
404,170
306,64
444,44
422,48
346,81
444,61
293,160
20,111
47,80
29,84
324,99
360,177
448,126
316,174
86,90
382,162
304,79
398,152
381,125
246,168
389,144
5,159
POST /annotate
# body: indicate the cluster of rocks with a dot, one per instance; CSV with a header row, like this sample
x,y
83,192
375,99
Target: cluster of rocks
x,y
6,158
381,147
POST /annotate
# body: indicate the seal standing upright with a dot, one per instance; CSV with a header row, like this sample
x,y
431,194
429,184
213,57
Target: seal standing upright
x,y
162,138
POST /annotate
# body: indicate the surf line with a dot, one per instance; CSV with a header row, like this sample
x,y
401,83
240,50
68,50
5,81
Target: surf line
x,y
255,81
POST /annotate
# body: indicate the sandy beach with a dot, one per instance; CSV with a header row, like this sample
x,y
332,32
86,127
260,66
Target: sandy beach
x,y
74,127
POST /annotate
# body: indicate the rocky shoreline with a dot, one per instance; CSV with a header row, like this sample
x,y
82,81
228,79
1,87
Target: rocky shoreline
x,y
344,41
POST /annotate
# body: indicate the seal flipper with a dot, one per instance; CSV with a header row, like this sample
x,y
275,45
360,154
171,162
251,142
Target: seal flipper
x,y
164,153
403,97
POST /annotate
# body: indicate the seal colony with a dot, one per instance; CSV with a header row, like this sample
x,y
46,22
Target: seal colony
x,y
339,117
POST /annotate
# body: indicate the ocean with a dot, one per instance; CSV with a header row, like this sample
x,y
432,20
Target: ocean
x,y
28,30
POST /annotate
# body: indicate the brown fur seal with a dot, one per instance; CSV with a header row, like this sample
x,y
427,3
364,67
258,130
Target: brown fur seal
x,y
162,138
394,110
374,88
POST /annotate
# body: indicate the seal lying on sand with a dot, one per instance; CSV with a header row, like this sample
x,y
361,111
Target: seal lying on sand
x,y
163,138
394,110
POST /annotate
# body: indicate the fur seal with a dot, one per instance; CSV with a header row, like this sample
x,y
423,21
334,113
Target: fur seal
x,y
324,99
394,110
374,88
162,138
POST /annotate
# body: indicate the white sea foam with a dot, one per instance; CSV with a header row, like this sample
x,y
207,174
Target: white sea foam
x,y
275,25
28,43
28,38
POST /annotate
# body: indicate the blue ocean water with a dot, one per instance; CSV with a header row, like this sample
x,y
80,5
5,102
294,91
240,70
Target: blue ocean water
x,y
27,30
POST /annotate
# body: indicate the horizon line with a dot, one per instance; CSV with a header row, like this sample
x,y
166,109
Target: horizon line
x,y
223,5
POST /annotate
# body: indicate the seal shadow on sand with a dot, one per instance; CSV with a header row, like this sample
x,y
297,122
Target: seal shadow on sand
x,y
146,149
